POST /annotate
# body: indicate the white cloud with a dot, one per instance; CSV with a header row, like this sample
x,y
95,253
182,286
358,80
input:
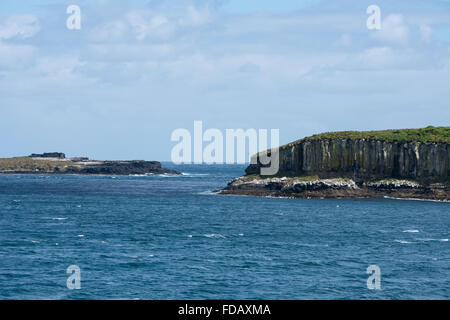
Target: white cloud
x,y
393,30
22,26
150,24
377,57
193,62
146,24
109,32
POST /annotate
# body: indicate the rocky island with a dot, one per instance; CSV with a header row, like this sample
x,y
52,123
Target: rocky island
x,y
406,163
57,163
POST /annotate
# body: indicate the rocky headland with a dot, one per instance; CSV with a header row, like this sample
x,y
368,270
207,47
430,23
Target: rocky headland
x,y
57,163
407,163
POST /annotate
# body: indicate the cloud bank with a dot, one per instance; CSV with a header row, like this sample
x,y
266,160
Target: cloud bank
x,y
135,72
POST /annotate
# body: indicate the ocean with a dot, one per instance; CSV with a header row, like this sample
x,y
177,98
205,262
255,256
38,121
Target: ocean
x,y
171,237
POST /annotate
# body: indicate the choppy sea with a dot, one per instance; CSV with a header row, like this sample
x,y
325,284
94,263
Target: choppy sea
x,y
171,237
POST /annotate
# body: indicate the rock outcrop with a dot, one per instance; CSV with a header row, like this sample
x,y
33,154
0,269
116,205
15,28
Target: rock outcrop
x,y
120,168
41,164
375,162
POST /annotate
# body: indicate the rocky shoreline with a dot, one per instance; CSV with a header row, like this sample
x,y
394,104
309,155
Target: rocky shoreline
x,y
56,163
399,163
313,187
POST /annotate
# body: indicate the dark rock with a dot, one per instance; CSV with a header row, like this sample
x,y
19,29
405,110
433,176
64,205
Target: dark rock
x,y
58,155
121,168
349,164
364,160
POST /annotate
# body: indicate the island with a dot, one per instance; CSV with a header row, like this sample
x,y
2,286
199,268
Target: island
x,y
57,163
405,163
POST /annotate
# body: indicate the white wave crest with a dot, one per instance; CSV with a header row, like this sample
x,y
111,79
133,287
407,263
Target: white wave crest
x,y
416,199
214,235
431,239
402,241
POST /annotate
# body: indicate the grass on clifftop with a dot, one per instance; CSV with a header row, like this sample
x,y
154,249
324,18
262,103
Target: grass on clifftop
x,y
426,135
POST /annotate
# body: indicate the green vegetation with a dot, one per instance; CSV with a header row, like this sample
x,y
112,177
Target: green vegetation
x,y
426,135
27,164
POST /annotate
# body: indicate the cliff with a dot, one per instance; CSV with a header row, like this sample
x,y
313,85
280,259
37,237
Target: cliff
x,y
415,156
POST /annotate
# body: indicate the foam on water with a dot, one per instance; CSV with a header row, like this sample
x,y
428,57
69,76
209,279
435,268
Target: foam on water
x,y
214,235
416,199
209,193
162,232
402,241
187,174
142,175
431,239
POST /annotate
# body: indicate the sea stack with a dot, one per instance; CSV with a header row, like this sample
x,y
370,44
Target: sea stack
x,y
406,163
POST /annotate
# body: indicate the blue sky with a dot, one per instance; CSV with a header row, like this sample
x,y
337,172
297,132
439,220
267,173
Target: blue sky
x,y
137,70
235,6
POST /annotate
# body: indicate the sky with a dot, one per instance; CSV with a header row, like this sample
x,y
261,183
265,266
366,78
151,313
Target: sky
x,y
138,70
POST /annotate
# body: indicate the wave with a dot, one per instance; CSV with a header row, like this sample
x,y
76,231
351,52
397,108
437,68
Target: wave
x,y
159,175
279,197
402,241
168,175
187,174
141,175
214,235
430,239
209,193
412,231
416,199
313,245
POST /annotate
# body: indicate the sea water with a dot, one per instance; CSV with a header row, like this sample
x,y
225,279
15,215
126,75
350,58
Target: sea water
x,y
172,237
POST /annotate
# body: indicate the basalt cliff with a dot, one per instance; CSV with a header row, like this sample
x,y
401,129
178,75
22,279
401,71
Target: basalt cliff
x,y
407,163
57,163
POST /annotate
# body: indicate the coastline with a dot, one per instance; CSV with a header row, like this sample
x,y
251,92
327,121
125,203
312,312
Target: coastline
x,y
312,187
88,174
83,166
398,163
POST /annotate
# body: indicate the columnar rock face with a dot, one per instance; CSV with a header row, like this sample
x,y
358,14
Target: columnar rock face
x,y
399,163
364,160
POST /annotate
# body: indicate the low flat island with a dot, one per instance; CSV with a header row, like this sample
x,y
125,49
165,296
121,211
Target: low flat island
x,y
57,163
406,163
